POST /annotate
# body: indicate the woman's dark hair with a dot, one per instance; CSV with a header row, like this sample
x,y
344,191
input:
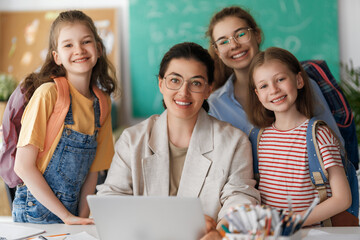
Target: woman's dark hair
x,y
189,50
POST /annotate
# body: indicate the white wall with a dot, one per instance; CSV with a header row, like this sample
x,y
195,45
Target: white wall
x,y
349,33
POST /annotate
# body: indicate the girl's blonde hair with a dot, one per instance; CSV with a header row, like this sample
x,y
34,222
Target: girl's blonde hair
x,y
103,73
257,114
222,72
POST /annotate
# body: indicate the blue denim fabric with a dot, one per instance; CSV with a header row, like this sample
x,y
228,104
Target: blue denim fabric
x,y
65,174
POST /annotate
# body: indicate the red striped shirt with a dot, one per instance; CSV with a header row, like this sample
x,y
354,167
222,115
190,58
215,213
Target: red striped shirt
x,y
283,166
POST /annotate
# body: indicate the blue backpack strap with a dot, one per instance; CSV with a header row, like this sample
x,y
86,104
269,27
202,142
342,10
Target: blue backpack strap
x,y
318,174
254,138
354,187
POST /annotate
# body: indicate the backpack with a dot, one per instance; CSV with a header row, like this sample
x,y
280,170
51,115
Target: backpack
x,y
319,72
12,125
318,174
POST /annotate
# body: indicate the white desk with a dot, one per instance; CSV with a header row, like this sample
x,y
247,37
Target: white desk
x,y
335,233
52,229
331,233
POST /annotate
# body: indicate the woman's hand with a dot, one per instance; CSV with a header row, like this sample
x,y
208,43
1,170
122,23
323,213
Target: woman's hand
x,y
212,235
210,224
73,220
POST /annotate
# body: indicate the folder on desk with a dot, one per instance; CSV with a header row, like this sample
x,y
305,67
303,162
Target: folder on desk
x,y
14,232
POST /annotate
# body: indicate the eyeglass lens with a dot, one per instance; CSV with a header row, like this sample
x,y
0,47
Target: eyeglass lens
x,y
174,82
241,36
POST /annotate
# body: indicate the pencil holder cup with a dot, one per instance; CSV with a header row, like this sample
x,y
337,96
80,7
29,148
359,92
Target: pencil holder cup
x,y
262,222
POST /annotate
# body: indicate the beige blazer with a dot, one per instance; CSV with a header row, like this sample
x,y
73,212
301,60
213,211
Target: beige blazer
x,y
218,165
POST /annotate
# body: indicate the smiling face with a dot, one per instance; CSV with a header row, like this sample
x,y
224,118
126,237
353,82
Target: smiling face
x,y
77,50
239,55
277,86
182,103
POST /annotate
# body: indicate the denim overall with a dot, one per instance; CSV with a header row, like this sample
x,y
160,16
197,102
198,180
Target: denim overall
x,y
65,174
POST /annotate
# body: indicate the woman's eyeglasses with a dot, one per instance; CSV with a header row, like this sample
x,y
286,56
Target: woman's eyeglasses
x,y
242,35
195,84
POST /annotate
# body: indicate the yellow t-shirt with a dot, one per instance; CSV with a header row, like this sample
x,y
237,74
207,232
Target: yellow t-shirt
x,y
38,111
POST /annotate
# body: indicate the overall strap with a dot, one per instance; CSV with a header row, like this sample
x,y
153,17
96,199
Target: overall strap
x,y
61,109
318,174
104,107
58,115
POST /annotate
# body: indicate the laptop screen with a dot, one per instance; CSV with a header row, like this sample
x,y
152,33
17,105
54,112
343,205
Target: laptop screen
x,y
147,218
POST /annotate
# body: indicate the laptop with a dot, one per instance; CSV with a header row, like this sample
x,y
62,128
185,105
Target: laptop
x,y
147,218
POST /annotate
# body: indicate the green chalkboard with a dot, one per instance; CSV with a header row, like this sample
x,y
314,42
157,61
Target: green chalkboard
x,y
307,28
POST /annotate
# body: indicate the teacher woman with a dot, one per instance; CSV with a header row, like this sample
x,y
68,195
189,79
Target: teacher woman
x,y
184,151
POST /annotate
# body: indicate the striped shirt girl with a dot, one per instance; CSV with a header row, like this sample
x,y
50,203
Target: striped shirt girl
x,y
283,166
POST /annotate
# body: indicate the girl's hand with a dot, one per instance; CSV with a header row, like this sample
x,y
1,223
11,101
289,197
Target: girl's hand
x,y
210,224
338,202
73,220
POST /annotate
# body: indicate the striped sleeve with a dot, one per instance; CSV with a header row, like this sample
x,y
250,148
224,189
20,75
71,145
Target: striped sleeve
x,y
329,147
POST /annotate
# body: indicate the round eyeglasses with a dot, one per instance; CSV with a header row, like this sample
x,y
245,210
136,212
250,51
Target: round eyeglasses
x,y
195,84
242,35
